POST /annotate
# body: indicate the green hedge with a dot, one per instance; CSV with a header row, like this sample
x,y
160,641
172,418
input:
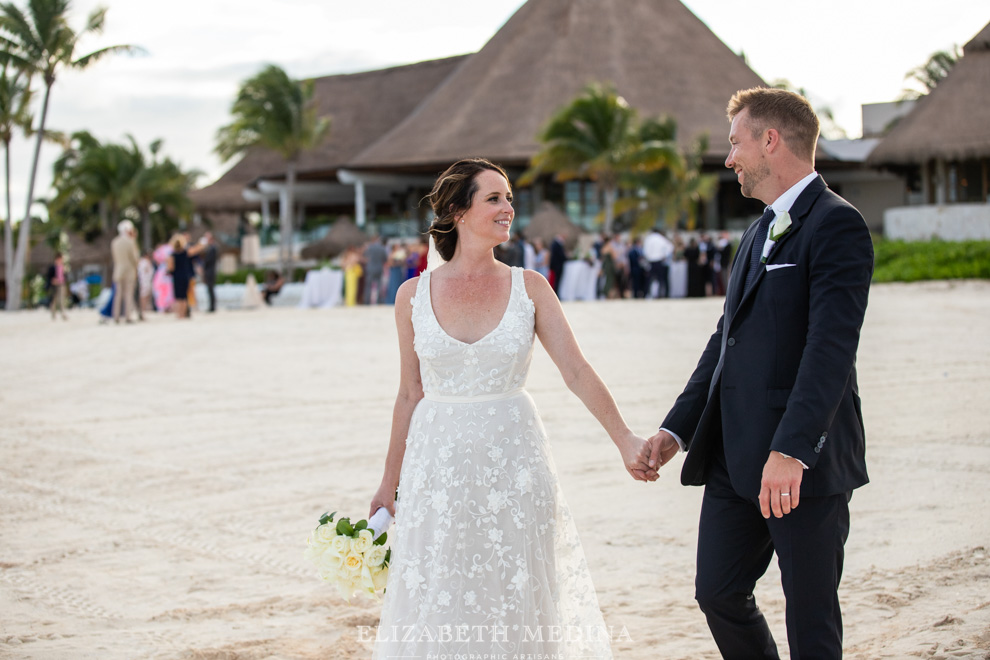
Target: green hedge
x,y
900,261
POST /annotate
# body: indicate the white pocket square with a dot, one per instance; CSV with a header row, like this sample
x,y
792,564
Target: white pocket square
x,y
771,267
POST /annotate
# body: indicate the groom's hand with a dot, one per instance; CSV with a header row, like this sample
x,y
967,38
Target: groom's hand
x,y
780,489
663,447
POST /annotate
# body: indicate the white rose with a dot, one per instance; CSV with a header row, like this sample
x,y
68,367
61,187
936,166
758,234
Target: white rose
x,y
340,545
352,564
325,534
375,555
363,542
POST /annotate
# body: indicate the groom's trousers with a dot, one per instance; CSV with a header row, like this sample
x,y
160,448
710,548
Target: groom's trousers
x,y
735,545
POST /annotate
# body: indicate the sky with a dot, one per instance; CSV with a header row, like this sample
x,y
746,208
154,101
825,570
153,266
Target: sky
x,y
844,53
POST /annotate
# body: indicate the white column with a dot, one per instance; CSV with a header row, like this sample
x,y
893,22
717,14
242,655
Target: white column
x,y
940,182
359,201
266,213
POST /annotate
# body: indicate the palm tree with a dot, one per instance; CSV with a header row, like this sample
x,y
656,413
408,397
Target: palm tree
x,y
277,113
670,193
15,98
931,73
42,43
160,188
597,137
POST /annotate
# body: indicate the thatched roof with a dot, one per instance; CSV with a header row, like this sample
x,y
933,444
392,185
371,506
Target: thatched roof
x,y
361,106
656,53
80,253
342,235
548,222
953,121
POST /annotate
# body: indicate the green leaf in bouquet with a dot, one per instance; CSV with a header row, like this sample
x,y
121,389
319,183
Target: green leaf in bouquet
x,y
361,524
344,527
381,539
327,518
388,556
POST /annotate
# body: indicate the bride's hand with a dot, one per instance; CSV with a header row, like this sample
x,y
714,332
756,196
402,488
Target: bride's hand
x,y
636,457
385,497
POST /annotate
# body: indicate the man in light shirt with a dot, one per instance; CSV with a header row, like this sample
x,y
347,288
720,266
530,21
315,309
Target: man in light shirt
x,y
657,250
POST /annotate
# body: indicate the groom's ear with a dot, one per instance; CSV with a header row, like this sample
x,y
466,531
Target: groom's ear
x,y
771,140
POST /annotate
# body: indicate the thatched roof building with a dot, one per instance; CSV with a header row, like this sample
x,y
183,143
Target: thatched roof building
x,y
362,107
656,53
394,130
952,123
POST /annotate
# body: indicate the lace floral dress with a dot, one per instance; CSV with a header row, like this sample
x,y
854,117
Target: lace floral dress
x,y
485,555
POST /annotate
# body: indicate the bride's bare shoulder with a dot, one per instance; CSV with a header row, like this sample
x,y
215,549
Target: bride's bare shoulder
x,y
537,287
406,291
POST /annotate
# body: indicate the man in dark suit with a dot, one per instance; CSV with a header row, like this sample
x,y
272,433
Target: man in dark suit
x,y
771,418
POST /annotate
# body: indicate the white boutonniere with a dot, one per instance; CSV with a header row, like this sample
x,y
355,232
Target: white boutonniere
x,y
781,225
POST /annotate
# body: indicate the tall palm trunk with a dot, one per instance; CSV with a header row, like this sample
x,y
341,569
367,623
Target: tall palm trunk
x,y
611,194
8,225
286,223
24,233
145,229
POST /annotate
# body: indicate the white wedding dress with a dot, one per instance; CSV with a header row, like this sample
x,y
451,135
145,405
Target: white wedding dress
x,y
486,561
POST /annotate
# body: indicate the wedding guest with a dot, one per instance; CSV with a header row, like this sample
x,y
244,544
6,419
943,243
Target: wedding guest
x,y
375,256
657,250
695,269
209,256
558,257
55,280
541,258
124,250
181,267
637,274
396,274
351,264
145,276
482,532
771,418
529,253
272,286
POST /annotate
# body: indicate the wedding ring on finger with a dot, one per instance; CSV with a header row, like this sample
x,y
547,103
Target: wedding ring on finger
x,y
785,494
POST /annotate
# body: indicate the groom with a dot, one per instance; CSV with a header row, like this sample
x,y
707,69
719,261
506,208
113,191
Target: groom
x,y
771,417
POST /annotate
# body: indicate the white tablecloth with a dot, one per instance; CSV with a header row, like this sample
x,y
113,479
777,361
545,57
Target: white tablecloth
x,y
322,288
677,281
579,281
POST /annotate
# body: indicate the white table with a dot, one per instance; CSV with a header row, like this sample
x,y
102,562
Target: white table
x,y
579,281
323,288
677,280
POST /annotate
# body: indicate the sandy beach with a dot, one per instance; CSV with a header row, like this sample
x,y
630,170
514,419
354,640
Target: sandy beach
x,y
158,480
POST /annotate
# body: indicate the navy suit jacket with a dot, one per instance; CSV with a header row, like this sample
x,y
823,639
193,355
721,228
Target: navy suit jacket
x,y
779,373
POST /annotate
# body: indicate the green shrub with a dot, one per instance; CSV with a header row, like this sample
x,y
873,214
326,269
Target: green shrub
x,y
900,261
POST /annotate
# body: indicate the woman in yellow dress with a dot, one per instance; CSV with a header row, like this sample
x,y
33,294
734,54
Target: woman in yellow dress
x,y
352,276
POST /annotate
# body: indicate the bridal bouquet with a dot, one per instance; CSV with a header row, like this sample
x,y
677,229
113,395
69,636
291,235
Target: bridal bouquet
x,y
353,557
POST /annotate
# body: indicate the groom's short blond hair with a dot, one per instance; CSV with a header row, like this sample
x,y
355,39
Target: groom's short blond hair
x,y
791,114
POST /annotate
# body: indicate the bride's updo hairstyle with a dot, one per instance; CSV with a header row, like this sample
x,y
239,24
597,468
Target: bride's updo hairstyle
x,y
451,195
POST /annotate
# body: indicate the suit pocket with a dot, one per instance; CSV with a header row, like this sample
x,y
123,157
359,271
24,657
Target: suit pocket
x,y
777,397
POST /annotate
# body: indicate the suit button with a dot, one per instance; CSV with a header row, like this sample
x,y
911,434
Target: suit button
x,y
818,450
731,342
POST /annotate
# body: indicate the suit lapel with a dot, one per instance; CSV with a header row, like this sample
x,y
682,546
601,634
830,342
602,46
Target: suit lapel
x,y
799,211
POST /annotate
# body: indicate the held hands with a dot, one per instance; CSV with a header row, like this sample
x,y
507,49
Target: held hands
x,y
663,447
636,457
780,489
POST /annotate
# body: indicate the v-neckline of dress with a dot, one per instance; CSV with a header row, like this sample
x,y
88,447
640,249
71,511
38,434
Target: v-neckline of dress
x,y
501,320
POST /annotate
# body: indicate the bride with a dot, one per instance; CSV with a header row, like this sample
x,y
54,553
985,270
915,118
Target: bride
x,y
486,560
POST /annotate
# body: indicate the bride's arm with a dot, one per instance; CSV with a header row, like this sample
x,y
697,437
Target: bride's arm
x,y
410,393
581,378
